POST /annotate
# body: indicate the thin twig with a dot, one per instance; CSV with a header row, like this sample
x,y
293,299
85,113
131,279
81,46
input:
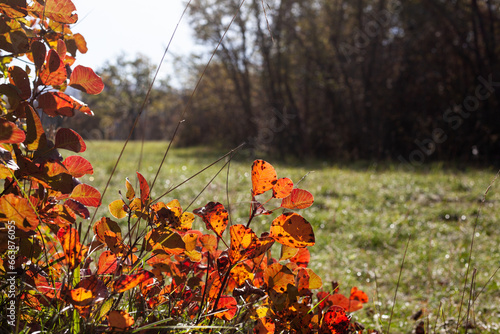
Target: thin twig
x,y
397,286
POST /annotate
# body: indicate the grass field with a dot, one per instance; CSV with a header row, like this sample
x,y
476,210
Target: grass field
x,y
363,218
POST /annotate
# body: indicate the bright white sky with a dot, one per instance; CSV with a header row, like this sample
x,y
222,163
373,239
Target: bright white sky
x,y
111,27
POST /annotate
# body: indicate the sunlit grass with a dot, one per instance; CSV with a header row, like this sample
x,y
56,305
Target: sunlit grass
x,y
363,218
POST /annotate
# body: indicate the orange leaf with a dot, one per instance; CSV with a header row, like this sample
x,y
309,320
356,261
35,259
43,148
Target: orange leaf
x,y
70,241
18,209
263,177
358,295
108,262
228,306
10,133
283,188
53,72
291,229
81,296
127,282
87,195
241,272
209,242
298,199
19,78
69,140
106,224
120,320
81,44
85,79
278,277
244,241
335,320
144,188
215,217
57,10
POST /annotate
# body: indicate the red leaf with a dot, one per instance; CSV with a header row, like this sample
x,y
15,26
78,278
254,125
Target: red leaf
x,y
215,217
298,199
57,10
53,72
69,140
127,282
61,49
19,78
291,229
283,188
335,320
144,188
228,306
87,195
302,257
108,262
84,79
263,177
78,166
10,133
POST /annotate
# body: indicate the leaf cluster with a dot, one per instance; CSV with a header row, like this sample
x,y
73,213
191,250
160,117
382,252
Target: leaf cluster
x,y
161,273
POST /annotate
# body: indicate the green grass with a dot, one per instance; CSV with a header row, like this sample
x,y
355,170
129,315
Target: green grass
x,y
363,218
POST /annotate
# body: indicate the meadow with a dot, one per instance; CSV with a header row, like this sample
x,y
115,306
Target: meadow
x,y
364,217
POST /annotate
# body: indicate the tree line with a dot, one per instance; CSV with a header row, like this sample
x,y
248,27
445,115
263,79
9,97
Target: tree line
x,y
413,81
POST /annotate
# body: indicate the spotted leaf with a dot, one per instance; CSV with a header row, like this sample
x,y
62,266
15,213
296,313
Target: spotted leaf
x,y
264,177
283,188
215,217
291,229
244,242
335,321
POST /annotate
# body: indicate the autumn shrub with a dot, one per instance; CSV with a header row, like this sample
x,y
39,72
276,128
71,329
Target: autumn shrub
x,y
149,266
